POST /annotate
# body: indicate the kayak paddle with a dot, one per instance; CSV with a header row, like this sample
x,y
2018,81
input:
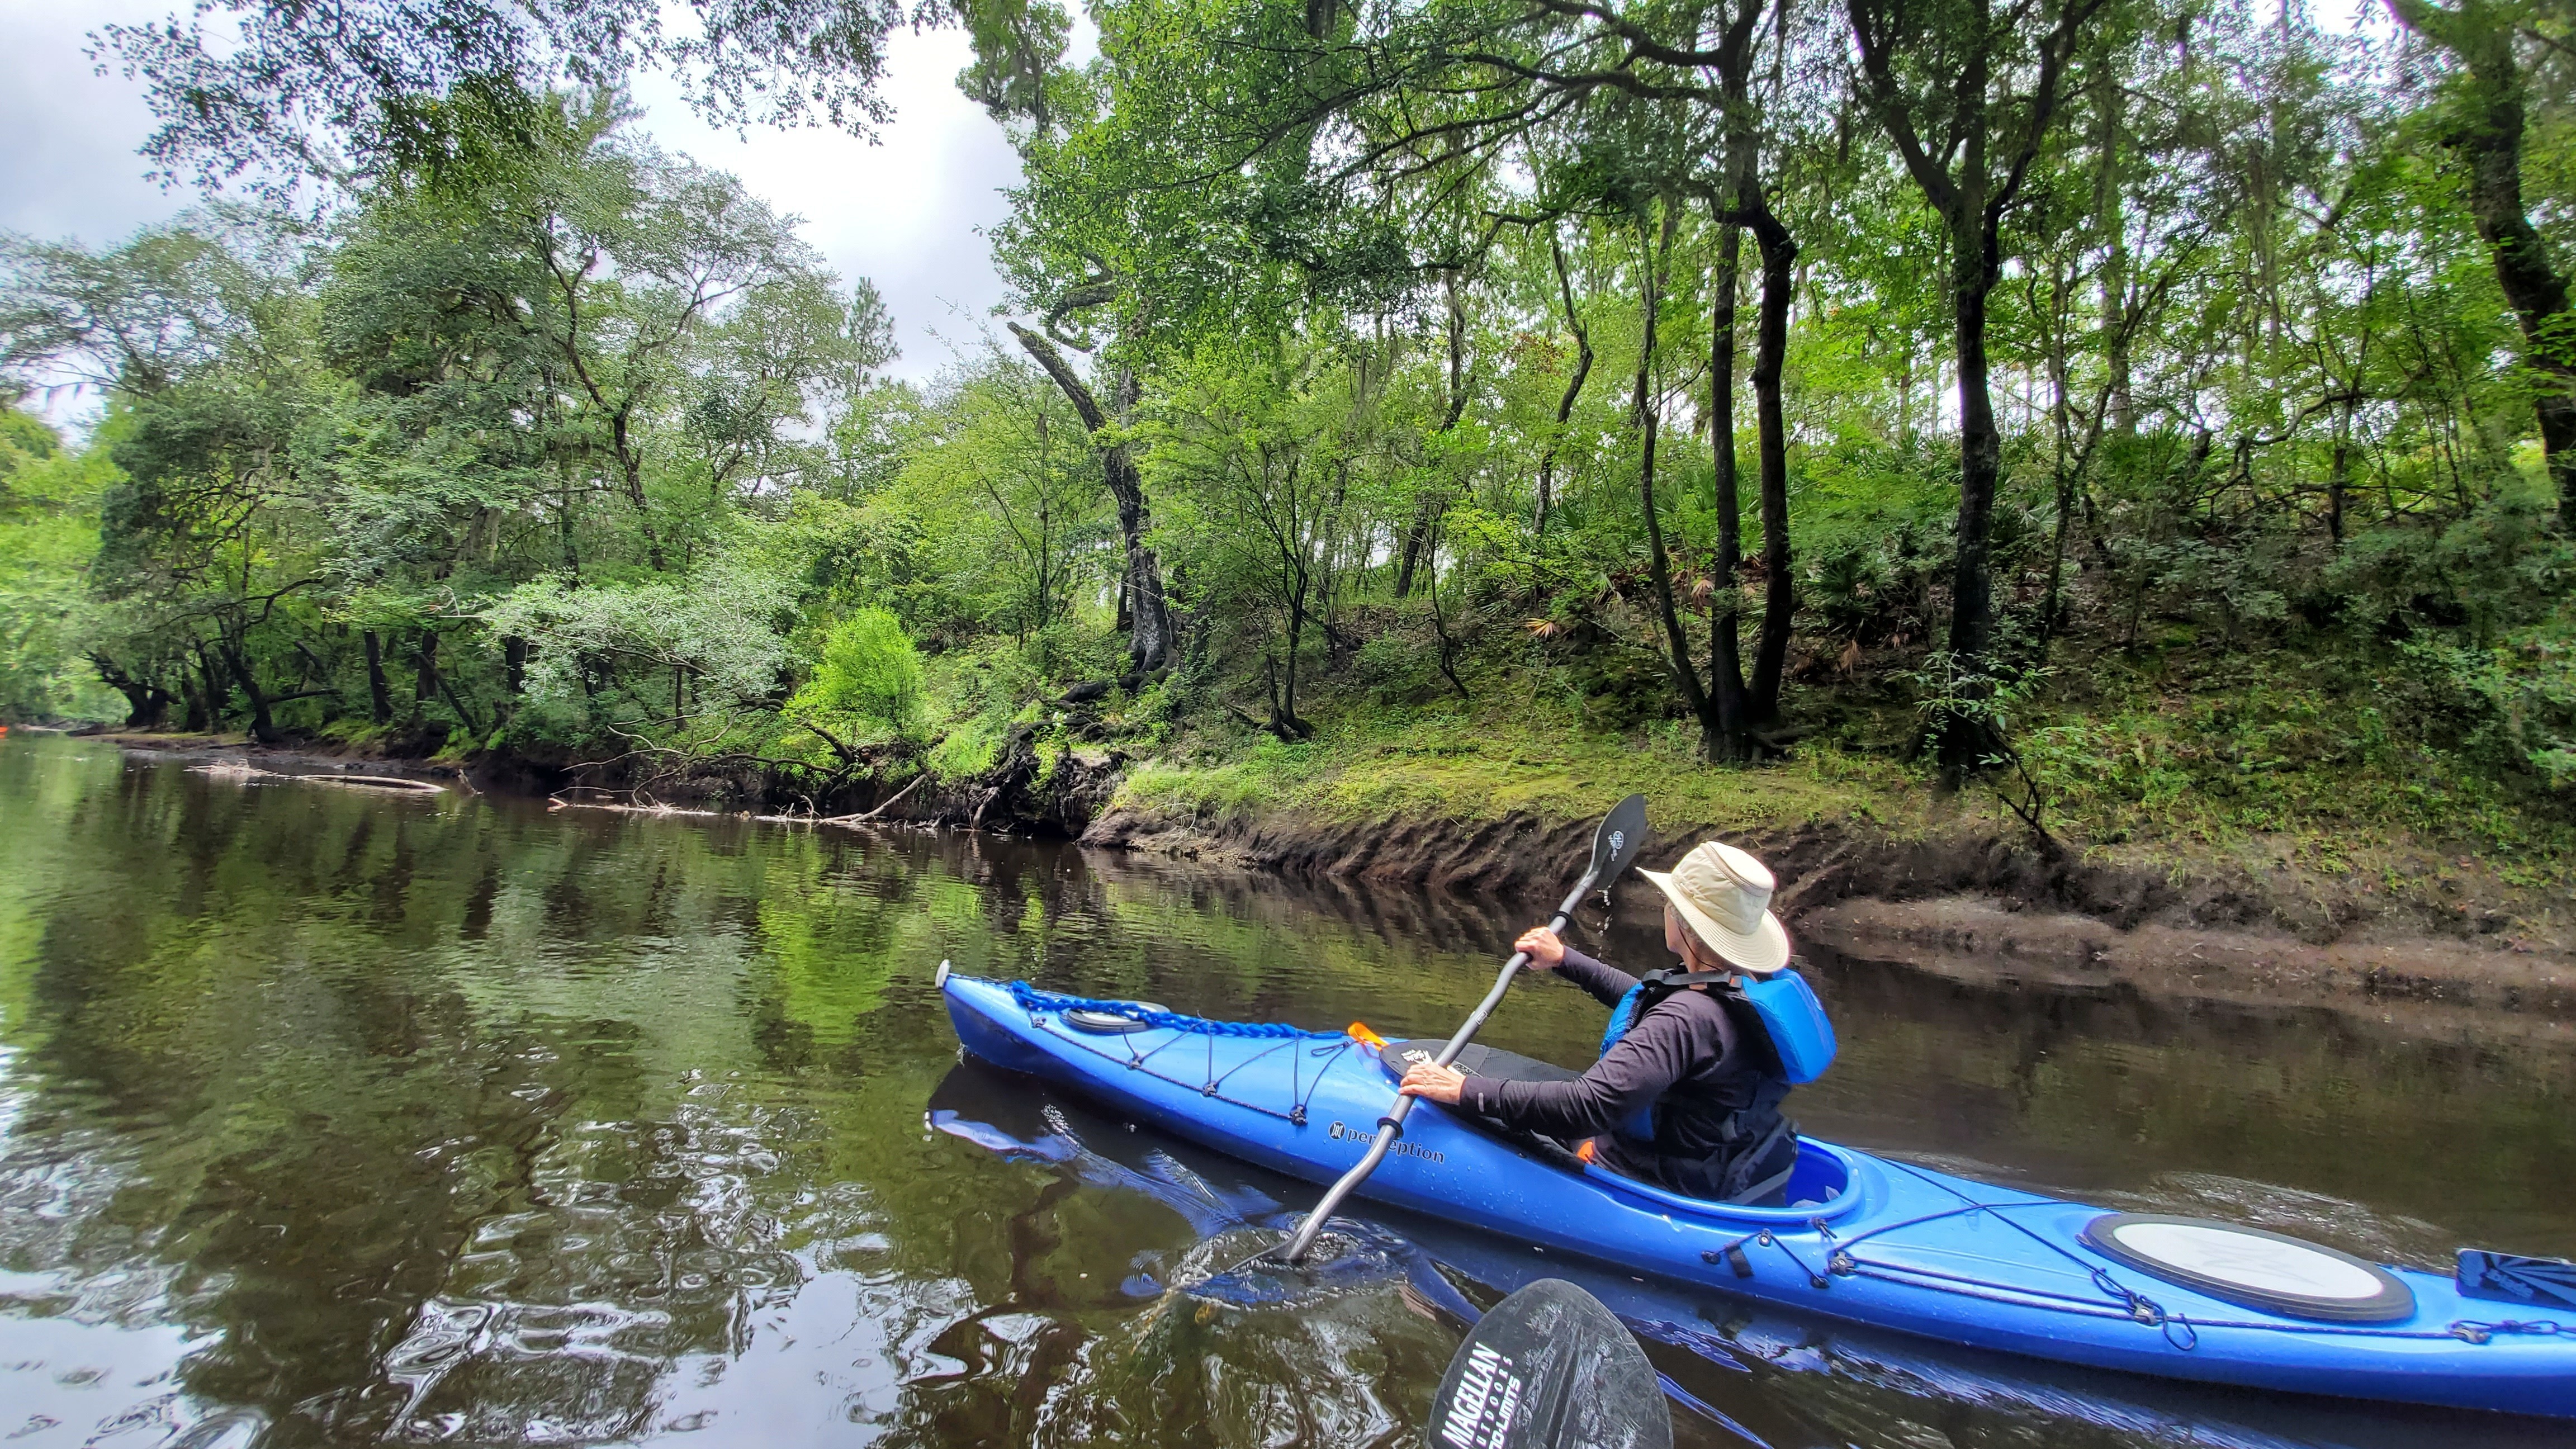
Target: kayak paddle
x,y
1550,1368
1614,845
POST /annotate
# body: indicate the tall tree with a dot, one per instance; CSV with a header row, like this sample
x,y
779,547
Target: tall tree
x,y
2485,128
372,88
1142,601
1968,95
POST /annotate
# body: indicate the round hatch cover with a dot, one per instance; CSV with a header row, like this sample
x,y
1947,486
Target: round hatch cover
x,y
1110,1023
2245,1265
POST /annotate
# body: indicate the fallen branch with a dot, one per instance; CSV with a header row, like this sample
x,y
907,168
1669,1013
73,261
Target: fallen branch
x,y
886,803
378,782
557,802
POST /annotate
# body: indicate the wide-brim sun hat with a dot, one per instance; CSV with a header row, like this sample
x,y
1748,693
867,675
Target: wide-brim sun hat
x,y
1724,896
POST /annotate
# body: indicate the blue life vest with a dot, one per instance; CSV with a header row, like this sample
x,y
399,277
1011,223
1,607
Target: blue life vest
x,y
1802,1043
1802,1036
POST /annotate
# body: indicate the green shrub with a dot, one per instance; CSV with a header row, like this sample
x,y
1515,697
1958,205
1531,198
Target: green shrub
x,y
1398,668
970,749
869,669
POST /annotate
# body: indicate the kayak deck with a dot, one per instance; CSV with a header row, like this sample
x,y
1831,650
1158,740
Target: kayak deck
x,y
1862,1238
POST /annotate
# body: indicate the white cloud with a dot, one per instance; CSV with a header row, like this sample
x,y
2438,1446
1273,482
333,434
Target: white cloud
x,y
903,213
70,167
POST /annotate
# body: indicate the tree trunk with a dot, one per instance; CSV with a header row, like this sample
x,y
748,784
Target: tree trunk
x,y
1148,611
1722,737
2488,138
455,702
1642,407
380,698
2107,100
1290,725
1966,740
146,703
424,685
2339,476
1970,181
262,728
1427,514
1409,552
1770,353
204,693
2063,462
1573,387
1448,659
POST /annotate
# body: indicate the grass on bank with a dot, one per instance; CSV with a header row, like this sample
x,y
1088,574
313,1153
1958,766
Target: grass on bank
x,y
2173,759
1473,766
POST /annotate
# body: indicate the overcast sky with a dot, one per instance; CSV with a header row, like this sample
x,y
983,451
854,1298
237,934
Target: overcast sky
x,y
904,213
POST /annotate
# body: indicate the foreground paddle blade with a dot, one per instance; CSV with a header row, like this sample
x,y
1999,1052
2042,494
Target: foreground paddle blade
x,y
1550,1368
1242,1268
2506,1278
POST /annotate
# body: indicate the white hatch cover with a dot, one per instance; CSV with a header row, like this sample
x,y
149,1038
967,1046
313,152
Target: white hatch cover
x,y
2262,1270
1109,1021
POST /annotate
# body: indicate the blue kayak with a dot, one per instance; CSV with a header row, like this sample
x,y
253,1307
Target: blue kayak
x,y
1853,1236
1794,1378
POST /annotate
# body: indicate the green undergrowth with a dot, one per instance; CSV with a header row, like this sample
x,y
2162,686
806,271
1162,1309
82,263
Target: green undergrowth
x,y
1470,767
2323,767
2271,764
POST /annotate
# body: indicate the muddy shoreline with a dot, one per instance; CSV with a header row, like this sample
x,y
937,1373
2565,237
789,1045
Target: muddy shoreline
x,y
2459,946
1991,909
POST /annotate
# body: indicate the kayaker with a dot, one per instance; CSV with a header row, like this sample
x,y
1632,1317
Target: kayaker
x,y
1687,1092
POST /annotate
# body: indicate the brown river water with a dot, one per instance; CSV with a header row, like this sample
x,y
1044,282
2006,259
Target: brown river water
x,y
337,1116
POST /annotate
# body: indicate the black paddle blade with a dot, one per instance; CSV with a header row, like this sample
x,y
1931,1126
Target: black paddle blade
x,y
1550,1368
1621,836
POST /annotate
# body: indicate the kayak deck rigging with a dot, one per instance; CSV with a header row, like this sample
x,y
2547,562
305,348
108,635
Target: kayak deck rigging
x,y
1047,1009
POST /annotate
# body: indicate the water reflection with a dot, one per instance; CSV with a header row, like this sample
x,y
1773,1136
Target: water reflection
x,y
329,1117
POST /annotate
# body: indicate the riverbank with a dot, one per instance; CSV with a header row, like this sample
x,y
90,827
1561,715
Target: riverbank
x,y
1962,893
1870,862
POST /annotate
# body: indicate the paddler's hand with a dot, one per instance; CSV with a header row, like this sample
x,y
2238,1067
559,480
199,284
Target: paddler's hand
x,y
1430,1079
1546,952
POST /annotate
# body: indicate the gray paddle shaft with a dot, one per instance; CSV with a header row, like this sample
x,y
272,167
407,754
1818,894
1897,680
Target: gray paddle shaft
x,y
1613,847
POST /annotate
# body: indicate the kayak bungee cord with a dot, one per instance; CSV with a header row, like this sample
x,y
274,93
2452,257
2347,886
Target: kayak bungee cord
x,y
1301,1088
1033,1000
2124,1301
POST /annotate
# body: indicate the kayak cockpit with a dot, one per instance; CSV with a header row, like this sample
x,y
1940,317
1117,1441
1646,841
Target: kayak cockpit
x,y
1820,1186
1824,1185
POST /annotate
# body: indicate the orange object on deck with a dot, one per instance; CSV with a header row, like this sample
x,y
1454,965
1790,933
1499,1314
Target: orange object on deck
x,y
1360,1031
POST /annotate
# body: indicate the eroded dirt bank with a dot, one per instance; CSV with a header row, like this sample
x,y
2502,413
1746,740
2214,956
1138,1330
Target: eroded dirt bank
x,y
2415,932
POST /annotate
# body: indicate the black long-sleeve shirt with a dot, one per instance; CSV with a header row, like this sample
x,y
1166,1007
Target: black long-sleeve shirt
x,y
1686,1050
